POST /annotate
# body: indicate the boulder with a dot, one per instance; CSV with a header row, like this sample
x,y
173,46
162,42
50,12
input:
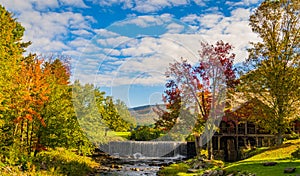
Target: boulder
x,y
270,163
221,172
192,170
290,170
135,169
214,173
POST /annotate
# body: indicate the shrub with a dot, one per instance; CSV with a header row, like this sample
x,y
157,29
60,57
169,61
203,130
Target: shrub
x,y
65,161
145,133
296,154
247,153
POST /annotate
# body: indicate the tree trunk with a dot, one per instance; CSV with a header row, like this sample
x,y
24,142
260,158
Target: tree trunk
x,y
279,139
210,150
197,145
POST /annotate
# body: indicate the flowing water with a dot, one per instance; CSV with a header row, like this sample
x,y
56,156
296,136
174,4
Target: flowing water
x,y
152,149
138,158
136,167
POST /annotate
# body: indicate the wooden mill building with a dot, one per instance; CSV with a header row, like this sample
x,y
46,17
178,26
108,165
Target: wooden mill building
x,y
234,135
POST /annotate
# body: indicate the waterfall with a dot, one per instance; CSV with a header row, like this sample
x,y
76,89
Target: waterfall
x,y
145,149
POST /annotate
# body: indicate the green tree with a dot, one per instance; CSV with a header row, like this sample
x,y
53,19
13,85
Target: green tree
x,y
88,106
112,117
272,74
124,113
62,129
11,50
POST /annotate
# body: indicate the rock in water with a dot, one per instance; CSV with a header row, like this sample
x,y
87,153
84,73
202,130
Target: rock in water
x,y
192,170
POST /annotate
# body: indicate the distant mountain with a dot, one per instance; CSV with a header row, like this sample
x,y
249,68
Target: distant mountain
x,y
144,114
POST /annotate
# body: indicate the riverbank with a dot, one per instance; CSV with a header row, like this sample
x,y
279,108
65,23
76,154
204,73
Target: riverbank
x,y
54,162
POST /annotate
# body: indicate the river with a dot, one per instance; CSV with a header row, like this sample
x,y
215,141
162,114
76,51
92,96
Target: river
x,y
139,166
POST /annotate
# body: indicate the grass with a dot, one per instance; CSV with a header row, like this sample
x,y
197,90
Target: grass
x,y
281,155
174,169
274,153
58,162
118,136
181,169
254,164
257,167
125,135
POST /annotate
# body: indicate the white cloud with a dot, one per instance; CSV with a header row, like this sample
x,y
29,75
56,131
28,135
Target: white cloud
x,y
210,20
73,3
179,2
113,42
233,29
81,32
105,33
47,29
52,26
112,52
192,19
143,60
240,14
243,2
29,5
151,6
200,2
108,2
144,6
16,5
212,9
41,5
175,28
79,42
146,21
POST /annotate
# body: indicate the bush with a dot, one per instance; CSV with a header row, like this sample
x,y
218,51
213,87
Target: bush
x,y
174,169
296,154
65,162
247,153
145,133
57,162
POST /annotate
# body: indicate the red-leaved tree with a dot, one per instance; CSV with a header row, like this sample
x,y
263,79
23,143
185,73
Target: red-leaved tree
x,y
197,92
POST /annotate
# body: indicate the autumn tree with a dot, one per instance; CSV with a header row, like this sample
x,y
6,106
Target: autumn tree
x,y
33,93
36,109
62,128
11,50
272,69
199,91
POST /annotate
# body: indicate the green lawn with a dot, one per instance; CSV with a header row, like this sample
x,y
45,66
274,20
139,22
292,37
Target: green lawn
x,y
281,155
123,134
260,170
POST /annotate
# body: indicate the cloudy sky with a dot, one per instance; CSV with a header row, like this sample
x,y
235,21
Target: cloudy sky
x,y
125,46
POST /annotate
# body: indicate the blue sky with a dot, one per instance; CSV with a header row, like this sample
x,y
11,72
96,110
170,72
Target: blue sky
x,y
125,46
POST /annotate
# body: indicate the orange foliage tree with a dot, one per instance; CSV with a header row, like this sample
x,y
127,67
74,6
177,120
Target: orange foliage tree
x,y
32,94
